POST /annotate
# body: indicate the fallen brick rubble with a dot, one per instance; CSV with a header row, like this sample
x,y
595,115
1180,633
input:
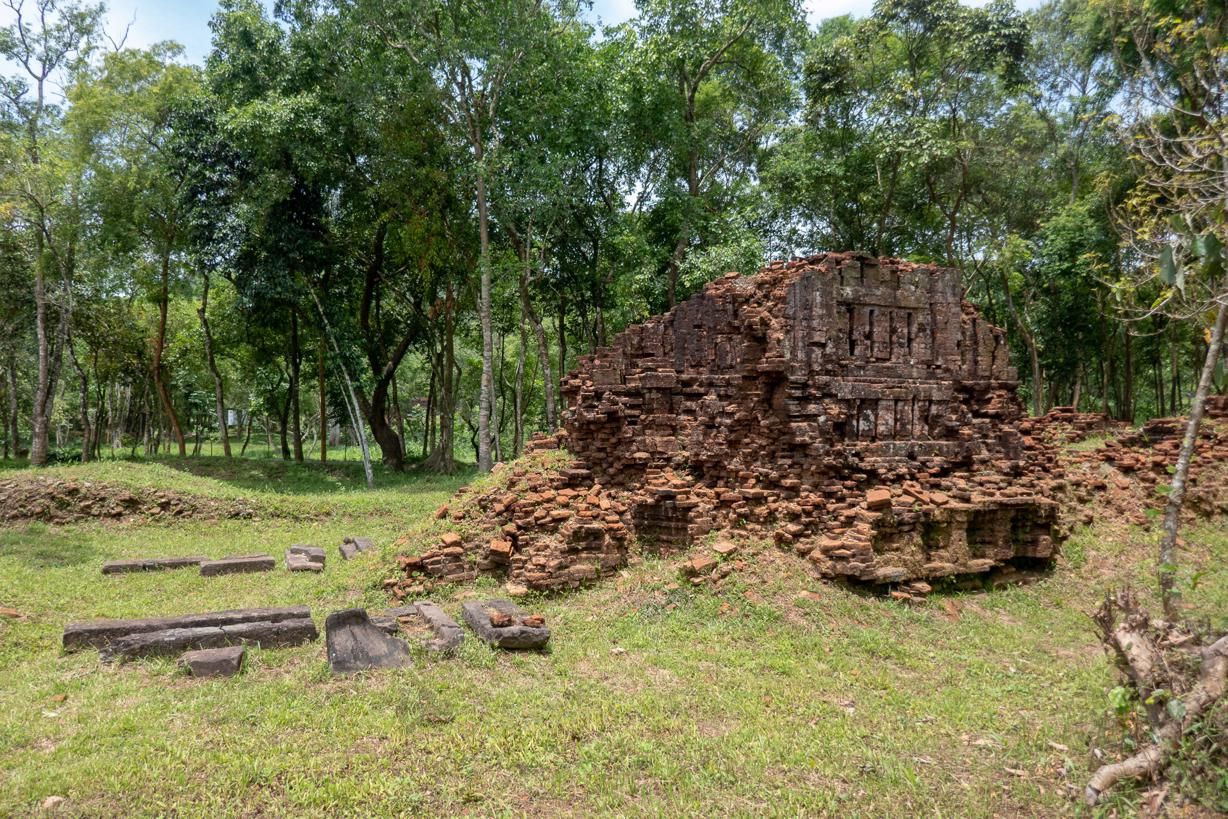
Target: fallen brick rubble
x,y
853,409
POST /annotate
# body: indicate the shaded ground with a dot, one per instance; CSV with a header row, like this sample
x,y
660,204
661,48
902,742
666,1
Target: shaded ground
x,y
778,695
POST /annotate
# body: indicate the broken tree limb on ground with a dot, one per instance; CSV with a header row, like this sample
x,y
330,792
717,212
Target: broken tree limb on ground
x,y
1158,656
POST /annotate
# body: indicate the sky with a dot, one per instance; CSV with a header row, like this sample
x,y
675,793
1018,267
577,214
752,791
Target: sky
x,y
187,21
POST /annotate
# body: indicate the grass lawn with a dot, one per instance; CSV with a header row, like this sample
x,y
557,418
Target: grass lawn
x,y
778,695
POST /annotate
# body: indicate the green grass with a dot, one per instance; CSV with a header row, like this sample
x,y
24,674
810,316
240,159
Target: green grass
x,y
656,698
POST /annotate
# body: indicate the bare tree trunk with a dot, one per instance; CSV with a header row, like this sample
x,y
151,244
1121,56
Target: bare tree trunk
x,y
1172,511
518,392
296,365
13,415
86,431
168,407
283,421
248,437
352,406
323,405
498,406
428,426
441,458
486,395
543,349
1127,398
219,394
400,416
562,330
42,389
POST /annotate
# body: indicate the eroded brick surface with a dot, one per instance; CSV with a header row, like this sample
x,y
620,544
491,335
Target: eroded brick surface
x,y
855,408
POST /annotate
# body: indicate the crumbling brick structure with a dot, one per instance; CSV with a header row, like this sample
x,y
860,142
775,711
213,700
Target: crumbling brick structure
x,y
854,407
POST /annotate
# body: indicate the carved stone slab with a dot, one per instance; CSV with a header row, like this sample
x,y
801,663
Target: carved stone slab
x,y
173,641
303,558
237,565
356,644
214,662
98,633
151,564
514,635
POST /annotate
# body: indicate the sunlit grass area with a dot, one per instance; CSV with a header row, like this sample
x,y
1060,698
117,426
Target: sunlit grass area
x,y
776,695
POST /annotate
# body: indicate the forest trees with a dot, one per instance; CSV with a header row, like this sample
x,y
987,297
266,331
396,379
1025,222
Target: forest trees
x,y
406,220
47,41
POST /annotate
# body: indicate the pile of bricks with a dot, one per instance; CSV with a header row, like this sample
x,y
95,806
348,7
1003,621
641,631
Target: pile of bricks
x,y
854,408
1123,474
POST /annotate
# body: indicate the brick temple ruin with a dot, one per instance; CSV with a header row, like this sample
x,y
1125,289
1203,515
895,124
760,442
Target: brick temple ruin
x,y
854,408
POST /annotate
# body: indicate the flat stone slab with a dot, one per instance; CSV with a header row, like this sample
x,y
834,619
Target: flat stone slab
x,y
151,564
356,644
448,633
173,641
98,633
214,662
303,558
353,546
516,635
237,565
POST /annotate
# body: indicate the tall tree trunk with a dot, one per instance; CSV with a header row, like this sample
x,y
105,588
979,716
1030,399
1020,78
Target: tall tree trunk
x,y
323,404
164,395
87,441
352,408
248,436
1169,594
283,421
296,366
400,416
1127,398
518,392
1029,341
486,395
376,412
219,394
499,416
1174,385
543,349
428,425
14,436
562,330
42,389
441,458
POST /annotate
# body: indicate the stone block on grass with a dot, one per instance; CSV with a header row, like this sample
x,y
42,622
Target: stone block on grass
x,y
356,644
151,564
303,558
226,661
237,565
480,615
99,633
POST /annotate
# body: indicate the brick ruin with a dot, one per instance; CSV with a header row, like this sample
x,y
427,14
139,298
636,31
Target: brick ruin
x,y
854,408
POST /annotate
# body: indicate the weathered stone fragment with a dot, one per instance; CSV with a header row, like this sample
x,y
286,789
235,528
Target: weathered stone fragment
x,y
150,564
356,644
237,565
448,633
303,558
264,634
353,546
99,633
516,635
214,662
